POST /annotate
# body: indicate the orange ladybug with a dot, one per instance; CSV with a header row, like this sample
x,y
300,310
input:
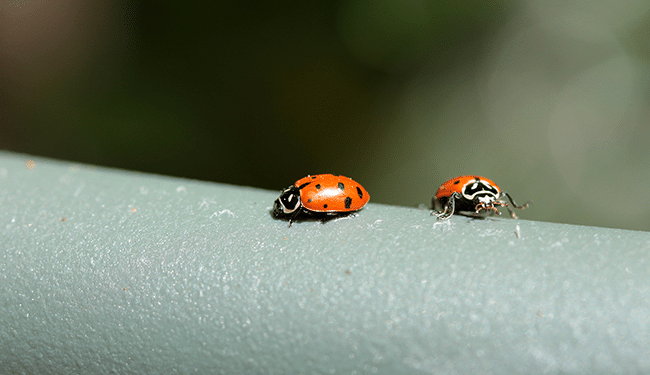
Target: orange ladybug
x,y
321,196
474,196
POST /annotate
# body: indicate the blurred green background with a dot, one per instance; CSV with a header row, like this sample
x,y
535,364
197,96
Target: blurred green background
x,y
550,99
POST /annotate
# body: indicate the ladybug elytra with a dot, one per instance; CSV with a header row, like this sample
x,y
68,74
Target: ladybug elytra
x,y
321,196
474,196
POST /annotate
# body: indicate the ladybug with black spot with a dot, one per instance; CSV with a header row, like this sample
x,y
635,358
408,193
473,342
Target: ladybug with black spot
x,y
473,196
321,196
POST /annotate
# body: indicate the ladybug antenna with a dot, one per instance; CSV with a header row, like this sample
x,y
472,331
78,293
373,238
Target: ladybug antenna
x,y
450,206
514,204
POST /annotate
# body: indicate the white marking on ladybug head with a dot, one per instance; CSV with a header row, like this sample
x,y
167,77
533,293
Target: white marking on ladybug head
x,y
487,200
479,187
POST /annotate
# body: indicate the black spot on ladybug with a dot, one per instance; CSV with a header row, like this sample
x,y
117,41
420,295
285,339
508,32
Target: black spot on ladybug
x,y
309,200
318,186
341,186
456,182
325,205
303,185
313,177
348,202
360,193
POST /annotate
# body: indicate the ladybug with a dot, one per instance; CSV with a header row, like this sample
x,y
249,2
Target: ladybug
x,y
474,196
321,196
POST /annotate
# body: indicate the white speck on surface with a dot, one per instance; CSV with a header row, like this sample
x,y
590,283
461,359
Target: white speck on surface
x,y
206,202
226,211
79,189
373,225
441,223
490,232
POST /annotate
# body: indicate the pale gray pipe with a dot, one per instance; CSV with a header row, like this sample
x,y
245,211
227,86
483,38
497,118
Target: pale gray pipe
x,y
105,271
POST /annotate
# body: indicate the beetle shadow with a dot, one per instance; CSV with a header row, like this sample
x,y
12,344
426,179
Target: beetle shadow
x,y
308,216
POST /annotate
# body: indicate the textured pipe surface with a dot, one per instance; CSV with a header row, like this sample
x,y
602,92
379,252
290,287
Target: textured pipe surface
x,y
110,271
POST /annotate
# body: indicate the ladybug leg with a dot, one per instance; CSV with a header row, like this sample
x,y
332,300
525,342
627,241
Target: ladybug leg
x,y
293,217
450,206
326,219
486,207
513,204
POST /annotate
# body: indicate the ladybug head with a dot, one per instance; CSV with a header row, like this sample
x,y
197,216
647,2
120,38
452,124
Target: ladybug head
x,y
483,196
287,202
